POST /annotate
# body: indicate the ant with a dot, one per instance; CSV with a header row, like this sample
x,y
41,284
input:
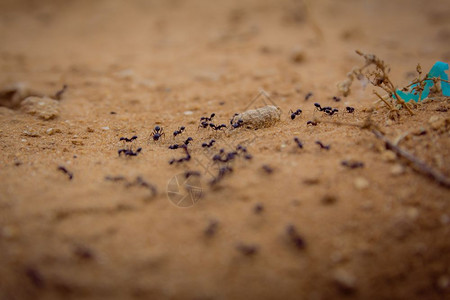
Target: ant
x,y
258,208
179,131
313,123
203,124
295,237
129,152
239,123
309,95
244,150
140,181
350,109
174,146
247,250
267,169
65,171
337,99
208,119
128,140
322,146
222,172
295,113
218,127
211,228
208,145
327,109
157,133
299,143
189,139
352,164
180,160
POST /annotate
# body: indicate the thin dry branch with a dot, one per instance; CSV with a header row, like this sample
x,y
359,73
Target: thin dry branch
x,y
417,164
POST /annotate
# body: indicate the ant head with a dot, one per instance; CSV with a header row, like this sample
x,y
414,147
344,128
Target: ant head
x,y
316,104
157,128
182,128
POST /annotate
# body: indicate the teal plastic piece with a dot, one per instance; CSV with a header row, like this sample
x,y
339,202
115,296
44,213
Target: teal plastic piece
x,y
437,71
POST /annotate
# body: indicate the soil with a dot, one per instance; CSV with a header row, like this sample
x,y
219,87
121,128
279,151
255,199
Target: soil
x,y
289,223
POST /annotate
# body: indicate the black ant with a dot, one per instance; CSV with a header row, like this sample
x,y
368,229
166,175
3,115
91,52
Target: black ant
x,y
174,146
247,250
208,119
331,111
337,99
128,140
218,127
129,152
157,133
352,164
239,123
327,109
222,172
244,150
140,181
203,124
65,171
189,139
299,143
59,93
180,160
322,146
313,123
179,131
258,208
267,169
232,119
211,228
115,178
309,95
208,145
295,237
295,113
350,109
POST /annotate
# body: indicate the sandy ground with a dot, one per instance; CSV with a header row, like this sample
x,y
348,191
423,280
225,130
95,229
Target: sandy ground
x,y
310,229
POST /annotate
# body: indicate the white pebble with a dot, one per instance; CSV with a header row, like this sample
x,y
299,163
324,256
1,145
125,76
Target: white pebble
x,y
361,183
105,128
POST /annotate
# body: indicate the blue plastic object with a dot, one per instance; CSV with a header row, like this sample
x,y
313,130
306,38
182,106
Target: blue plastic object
x,y
437,71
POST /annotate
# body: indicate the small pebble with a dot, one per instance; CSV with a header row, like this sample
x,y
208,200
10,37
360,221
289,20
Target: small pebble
x,y
388,156
397,169
31,133
188,112
44,108
50,131
345,280
105,128
361,183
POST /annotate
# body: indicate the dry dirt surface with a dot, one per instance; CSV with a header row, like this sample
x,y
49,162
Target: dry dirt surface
x,y
276,221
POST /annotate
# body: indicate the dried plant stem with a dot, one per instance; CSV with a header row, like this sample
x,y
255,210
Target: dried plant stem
x,y
382,99
417,164
402,102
